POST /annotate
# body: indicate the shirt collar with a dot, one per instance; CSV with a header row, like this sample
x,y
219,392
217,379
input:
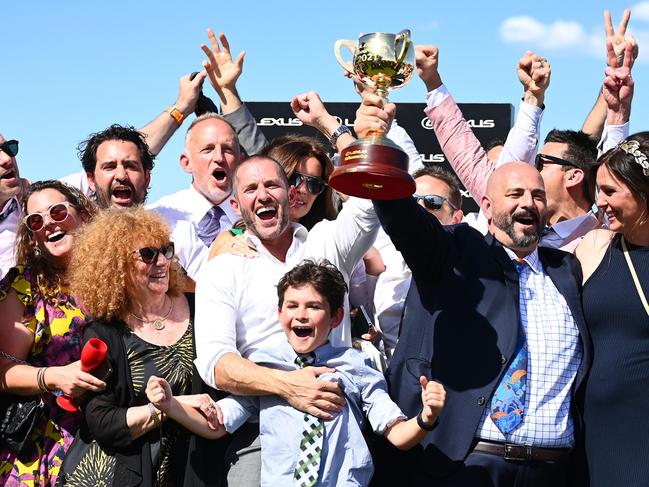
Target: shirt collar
x,y
299,237
202,205
9,207
532,259
580,224
323,353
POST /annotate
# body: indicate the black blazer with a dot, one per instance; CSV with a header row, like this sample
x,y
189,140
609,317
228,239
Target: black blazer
x,y
460,323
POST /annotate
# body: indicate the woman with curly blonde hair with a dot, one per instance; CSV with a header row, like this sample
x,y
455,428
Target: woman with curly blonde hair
x,y
41,325
124,272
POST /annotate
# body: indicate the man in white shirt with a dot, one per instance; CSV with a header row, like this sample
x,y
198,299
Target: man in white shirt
x,y
236,302
197,214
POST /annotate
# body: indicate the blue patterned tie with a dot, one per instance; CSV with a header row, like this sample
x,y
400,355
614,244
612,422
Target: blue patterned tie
x,y
508,402
307,467
210,224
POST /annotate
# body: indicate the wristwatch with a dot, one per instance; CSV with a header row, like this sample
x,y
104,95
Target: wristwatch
x,y
342,129
176,114
424,426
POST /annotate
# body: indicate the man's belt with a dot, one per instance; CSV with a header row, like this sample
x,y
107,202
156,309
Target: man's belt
x,y
522,453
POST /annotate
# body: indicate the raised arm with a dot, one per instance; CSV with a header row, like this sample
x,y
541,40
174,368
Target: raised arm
x,y
160,130
462,149
223,73
308,107
595,121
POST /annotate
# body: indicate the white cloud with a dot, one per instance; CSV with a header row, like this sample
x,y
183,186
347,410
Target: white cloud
x,y
640,11
569,36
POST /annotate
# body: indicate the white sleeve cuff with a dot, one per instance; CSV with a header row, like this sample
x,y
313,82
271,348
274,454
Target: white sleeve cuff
x,y
435,97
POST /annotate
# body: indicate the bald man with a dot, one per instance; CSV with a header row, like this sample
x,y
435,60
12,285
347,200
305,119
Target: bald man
x,y
498,321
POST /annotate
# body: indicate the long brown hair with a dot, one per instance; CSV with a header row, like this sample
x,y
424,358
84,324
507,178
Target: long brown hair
x,y
49,278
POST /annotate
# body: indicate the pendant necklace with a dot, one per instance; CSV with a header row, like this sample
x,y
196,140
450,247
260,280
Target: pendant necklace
x,y
159,323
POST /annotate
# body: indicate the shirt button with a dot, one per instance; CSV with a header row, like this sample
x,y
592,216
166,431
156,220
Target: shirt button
x,y
481,401
503,360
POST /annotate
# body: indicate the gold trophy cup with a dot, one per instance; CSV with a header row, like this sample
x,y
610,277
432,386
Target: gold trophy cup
x,y
374,167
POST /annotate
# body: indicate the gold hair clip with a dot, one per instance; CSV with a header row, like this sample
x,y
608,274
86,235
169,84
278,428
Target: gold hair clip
x,y
632,147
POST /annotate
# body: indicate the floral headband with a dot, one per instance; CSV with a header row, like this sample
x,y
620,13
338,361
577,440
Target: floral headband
x,y
632,147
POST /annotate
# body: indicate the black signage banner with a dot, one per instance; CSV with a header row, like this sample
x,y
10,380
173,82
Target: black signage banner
x,y
489,121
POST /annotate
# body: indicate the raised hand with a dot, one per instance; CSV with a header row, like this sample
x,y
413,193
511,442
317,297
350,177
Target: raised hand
x,y
308,107
618,85
534,74
188,92
433,397
618,38
222,71
427,61
373,117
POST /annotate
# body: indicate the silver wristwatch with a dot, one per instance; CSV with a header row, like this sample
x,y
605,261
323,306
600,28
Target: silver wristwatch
x,y
342,129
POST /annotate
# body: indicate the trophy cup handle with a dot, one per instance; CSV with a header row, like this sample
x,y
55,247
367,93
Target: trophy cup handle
x,y
402,38
351,45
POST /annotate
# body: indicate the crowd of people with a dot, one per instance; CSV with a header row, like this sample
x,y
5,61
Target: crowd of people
x,y
503,348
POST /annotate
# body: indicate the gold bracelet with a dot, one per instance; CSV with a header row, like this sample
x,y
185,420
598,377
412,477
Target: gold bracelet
x,y
153,414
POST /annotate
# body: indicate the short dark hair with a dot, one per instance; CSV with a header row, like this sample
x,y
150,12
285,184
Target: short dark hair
x,y
325,278
493,143
278,166
581,151
87,149
445,176
627,168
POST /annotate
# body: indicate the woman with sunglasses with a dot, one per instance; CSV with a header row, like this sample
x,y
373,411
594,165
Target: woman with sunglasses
x,y
41,325
615,266
123,270
308,168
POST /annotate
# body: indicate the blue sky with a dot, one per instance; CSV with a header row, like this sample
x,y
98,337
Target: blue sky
x,y
72,68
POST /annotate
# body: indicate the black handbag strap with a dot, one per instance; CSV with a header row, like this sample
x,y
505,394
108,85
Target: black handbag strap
x,y
11,358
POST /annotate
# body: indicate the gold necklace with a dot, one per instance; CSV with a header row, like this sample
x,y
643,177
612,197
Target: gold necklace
x,y
159,323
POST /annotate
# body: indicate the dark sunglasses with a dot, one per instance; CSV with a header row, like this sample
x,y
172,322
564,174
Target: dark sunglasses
x,y
57,213
545,159
10,147
314,184
149,255
434,201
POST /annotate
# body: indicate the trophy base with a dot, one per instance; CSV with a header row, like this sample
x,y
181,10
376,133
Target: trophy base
x,y
373,168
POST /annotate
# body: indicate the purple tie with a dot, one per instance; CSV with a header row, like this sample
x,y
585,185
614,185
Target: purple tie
x,y
210,224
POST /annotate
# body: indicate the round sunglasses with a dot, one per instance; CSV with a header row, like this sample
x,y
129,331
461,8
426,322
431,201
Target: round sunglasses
x,y
57,213
314,184
434,201
149,255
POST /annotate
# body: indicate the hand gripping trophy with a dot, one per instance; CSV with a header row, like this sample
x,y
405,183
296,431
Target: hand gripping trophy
x,y
374,167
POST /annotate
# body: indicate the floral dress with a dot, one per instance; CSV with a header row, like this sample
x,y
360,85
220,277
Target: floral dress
x,y
57,325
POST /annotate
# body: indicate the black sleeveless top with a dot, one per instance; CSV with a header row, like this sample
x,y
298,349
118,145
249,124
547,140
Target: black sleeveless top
x,y
616,413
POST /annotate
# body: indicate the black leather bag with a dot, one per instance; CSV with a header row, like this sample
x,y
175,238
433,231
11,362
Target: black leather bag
x,y
18,416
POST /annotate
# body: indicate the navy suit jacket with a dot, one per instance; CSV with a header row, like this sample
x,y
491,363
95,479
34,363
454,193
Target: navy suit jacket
x,y
460,323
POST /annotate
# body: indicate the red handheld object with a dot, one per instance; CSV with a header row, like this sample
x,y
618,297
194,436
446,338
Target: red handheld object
x,y
92,356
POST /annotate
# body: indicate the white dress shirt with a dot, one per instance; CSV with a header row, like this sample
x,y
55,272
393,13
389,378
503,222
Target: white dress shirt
x,y
183,211
8,228
554,356
236,297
